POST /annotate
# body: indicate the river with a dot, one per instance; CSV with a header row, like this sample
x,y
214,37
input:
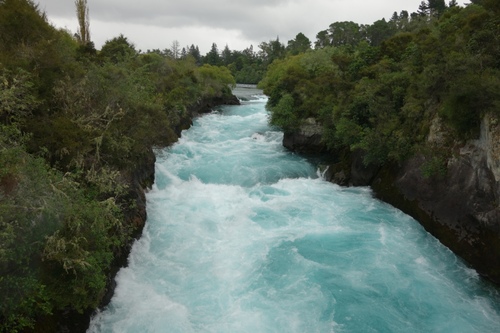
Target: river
x,y
244,236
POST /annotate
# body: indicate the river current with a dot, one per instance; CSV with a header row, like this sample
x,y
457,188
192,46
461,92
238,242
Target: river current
x,y
244,236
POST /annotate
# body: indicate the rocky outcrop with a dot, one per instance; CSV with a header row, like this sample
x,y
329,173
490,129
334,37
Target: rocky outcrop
x,y
350,170
490,143
460,206
307,139
202,106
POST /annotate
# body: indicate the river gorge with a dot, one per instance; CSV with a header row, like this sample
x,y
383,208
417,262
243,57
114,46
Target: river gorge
x,y
244,236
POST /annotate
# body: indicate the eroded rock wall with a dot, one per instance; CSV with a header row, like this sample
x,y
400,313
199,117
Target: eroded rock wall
x,y
461,207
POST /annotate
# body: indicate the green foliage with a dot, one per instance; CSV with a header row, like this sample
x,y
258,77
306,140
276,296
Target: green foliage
x,y
75,128
57,242
380,30
27,208
117,50
392,47
344,33
21,22
460,113
213,57
283,114
435,166
380,86
215,79
17,96
24,298
272,50
298,45
77,256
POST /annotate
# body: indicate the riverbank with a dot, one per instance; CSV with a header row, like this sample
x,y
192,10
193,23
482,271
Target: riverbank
x,y
139,182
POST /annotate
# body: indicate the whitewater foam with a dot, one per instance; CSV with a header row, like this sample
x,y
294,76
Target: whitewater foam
x,y
243,236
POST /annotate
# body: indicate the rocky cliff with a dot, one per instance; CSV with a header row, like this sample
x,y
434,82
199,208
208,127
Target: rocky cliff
x,y
307,139
459,205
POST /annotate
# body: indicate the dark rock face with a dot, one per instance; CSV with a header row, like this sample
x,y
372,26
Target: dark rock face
x,y
307,140
207,105
460,209
203,106
361,174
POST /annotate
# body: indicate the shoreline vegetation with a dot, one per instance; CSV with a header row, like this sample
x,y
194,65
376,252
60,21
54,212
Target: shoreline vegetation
x,y
78,127
77,131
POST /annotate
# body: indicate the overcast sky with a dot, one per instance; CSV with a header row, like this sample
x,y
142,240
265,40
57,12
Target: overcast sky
x,y
155,24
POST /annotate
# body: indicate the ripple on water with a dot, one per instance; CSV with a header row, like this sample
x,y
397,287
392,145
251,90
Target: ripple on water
x,y
242,236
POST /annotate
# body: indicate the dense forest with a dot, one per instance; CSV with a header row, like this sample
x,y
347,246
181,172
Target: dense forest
x,y
378,88
78,124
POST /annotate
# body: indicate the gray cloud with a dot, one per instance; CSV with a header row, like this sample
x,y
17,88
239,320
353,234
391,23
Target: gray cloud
x,y
156,23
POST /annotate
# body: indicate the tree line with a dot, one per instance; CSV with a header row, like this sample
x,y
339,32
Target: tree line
x,y
247,66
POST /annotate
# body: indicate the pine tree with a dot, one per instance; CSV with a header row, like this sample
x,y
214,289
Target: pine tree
x,y
213,57
423,9
436,7
226,55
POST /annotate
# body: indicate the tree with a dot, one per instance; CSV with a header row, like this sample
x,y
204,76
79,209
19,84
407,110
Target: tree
x,y
423,9
184,53
436,7
82,13
118,49
194,51
322,39
226,56
344,33
298,45
213,57
394,17
249,53
452,3
272,50
175,48
17,96
379,31
21,22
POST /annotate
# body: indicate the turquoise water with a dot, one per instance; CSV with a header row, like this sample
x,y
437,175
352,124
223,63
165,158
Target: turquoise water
x,y
243,236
